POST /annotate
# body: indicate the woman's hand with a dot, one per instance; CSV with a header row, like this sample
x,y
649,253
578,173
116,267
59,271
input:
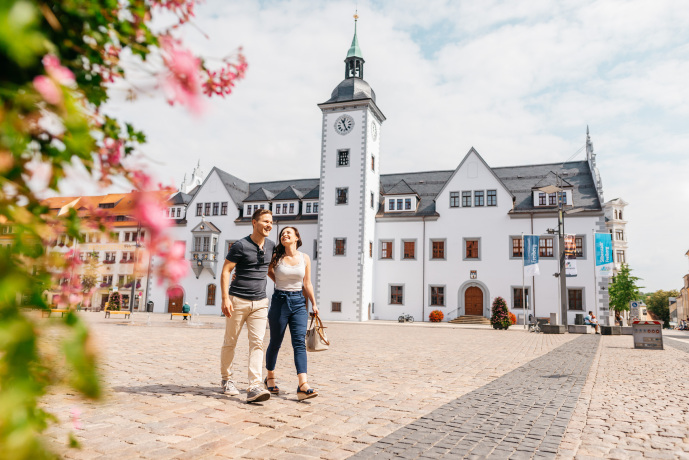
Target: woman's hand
x,y
315,309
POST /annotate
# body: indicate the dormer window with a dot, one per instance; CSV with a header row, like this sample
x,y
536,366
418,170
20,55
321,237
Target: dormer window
x,y
401,204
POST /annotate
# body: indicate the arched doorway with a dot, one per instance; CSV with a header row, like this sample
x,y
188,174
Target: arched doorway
x,y
175,299
473,301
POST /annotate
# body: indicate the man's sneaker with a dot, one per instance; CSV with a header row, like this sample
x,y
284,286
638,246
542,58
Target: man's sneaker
x,y
256,393
229,389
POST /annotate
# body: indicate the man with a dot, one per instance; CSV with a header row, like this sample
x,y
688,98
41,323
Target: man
x,y
591,320
246,302
185,309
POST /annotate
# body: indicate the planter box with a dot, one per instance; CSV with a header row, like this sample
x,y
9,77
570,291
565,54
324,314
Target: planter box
x,y
580,329
610,330
626,330
553,329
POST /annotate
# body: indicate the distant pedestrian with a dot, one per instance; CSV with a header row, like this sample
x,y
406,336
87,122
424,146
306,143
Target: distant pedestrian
x,y
591,320
245,301
618,318
291,271
185,309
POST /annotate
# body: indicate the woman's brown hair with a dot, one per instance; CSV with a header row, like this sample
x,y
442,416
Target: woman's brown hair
x,y
279,251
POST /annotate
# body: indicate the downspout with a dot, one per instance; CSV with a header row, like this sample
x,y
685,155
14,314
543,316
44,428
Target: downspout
x,y
423,272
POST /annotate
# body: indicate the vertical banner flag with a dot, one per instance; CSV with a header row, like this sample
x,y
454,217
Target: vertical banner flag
x,y
604,264
570,256
531,255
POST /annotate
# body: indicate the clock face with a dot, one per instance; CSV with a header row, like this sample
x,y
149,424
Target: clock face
x,y
374,130
344,124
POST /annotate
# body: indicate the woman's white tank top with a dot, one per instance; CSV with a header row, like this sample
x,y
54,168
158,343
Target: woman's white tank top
x,y
288,277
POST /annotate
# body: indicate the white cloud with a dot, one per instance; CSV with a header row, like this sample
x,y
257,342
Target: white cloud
x,y
518,80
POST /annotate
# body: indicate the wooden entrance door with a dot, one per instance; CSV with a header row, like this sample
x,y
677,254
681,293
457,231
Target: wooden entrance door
x,y
473,301
175,300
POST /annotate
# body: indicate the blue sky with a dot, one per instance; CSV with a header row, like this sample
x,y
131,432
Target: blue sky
x,y
517,80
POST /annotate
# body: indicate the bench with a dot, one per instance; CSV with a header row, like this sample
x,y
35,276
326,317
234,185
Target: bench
x,y
180,314
54,310
580,329
108,312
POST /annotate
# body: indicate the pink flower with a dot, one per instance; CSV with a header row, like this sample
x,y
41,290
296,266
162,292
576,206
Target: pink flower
x,y
149,210
182,82
112,151
61,74
48,89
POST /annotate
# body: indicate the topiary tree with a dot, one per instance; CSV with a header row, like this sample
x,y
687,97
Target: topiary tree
x,y
115,301
499,317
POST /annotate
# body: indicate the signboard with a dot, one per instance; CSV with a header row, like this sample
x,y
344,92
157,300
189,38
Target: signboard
x,y
634,309
604,263
648,334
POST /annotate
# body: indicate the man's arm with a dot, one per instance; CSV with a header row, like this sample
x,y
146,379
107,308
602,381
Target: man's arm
x,y
227,307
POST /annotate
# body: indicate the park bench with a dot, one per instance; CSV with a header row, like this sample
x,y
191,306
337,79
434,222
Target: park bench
x,y
180,314
108,312
54,310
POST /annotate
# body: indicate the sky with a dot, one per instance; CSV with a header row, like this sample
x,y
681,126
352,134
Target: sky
x,y
518,80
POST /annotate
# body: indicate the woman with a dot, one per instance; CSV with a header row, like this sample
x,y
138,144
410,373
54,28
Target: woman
x,y
291,272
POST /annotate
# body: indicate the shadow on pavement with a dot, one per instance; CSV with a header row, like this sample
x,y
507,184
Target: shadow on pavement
x,y
211,392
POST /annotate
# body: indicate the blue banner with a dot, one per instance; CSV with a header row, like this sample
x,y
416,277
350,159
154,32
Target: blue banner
x,y
531,255
604,262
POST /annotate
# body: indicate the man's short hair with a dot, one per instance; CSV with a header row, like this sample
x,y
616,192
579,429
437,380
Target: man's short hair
x,y
259,212
590,312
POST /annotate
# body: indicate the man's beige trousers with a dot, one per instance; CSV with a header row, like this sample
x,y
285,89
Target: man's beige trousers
x,y
255,314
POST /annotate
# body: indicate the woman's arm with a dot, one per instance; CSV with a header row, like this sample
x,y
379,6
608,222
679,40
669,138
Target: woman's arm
x,y
308,287
271,273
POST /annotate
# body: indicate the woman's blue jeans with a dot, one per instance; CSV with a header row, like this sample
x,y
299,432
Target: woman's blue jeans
x,y
287,308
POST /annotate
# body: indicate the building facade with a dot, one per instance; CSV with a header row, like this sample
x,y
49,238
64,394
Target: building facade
x,y
387,244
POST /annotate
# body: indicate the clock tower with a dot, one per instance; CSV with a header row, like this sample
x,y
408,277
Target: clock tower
x,y
349,194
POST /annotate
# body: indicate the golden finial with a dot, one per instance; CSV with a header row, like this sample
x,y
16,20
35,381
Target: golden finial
x,y
356,16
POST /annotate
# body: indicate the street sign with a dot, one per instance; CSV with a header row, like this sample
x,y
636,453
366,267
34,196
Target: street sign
x,y
634,309
648,334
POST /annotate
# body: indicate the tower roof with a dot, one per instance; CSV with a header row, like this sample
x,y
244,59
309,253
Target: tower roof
x,y
354,50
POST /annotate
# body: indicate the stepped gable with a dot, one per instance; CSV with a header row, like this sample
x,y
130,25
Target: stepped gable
x,y
522,179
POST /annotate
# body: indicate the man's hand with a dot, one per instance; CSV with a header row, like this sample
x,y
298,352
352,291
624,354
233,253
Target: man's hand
x,y
227,307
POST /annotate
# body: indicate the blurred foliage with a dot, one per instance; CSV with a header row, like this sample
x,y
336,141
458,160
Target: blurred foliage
x,y
658,303
84,37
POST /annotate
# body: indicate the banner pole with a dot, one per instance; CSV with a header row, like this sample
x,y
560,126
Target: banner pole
x,y
595,277
523,281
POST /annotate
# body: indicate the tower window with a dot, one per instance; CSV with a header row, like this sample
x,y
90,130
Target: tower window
x,y
373,163
371,200
340,246
342,195
343,158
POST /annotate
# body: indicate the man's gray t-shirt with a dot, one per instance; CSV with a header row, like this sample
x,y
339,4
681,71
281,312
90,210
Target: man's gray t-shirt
x,y
251,271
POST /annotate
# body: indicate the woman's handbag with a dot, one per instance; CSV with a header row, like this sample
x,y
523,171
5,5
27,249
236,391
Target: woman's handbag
x,y
316,340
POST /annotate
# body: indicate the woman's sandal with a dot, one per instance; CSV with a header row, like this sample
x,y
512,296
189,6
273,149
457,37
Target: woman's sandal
x,y
302,395
273,390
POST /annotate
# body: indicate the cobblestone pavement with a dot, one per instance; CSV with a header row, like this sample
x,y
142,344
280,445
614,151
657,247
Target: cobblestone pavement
x,y
163,401
519,415
635,403
162,391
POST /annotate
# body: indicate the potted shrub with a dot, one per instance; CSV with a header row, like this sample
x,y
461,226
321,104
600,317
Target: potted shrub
x,y
115,301
513,318
499,318
436,316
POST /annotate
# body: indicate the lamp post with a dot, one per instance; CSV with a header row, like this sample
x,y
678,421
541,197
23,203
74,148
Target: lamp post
x,y
561,245
136,259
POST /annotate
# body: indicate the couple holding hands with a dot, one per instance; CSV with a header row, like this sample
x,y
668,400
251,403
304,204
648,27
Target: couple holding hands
x,y
254,258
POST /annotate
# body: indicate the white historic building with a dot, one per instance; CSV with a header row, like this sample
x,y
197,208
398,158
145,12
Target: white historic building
x,y
387,244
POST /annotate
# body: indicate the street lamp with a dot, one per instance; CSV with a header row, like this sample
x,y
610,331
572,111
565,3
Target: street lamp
x,y
561,242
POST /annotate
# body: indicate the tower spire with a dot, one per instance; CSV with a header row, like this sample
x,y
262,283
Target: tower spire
x,y
354,62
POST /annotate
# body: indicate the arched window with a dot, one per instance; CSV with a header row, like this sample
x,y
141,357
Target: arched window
x,y
210,294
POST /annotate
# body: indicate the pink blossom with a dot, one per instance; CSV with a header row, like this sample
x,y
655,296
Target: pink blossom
x,y
76,418
48,89
60,73
149,210
112,151
182,81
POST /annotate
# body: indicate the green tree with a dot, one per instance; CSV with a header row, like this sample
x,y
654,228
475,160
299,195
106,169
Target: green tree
x,y
89,277
659,305
623,290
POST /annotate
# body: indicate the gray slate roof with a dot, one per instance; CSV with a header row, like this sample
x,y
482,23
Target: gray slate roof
x,y
180,198
352,89
400,188
313,194
290,193
260,195
522,179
